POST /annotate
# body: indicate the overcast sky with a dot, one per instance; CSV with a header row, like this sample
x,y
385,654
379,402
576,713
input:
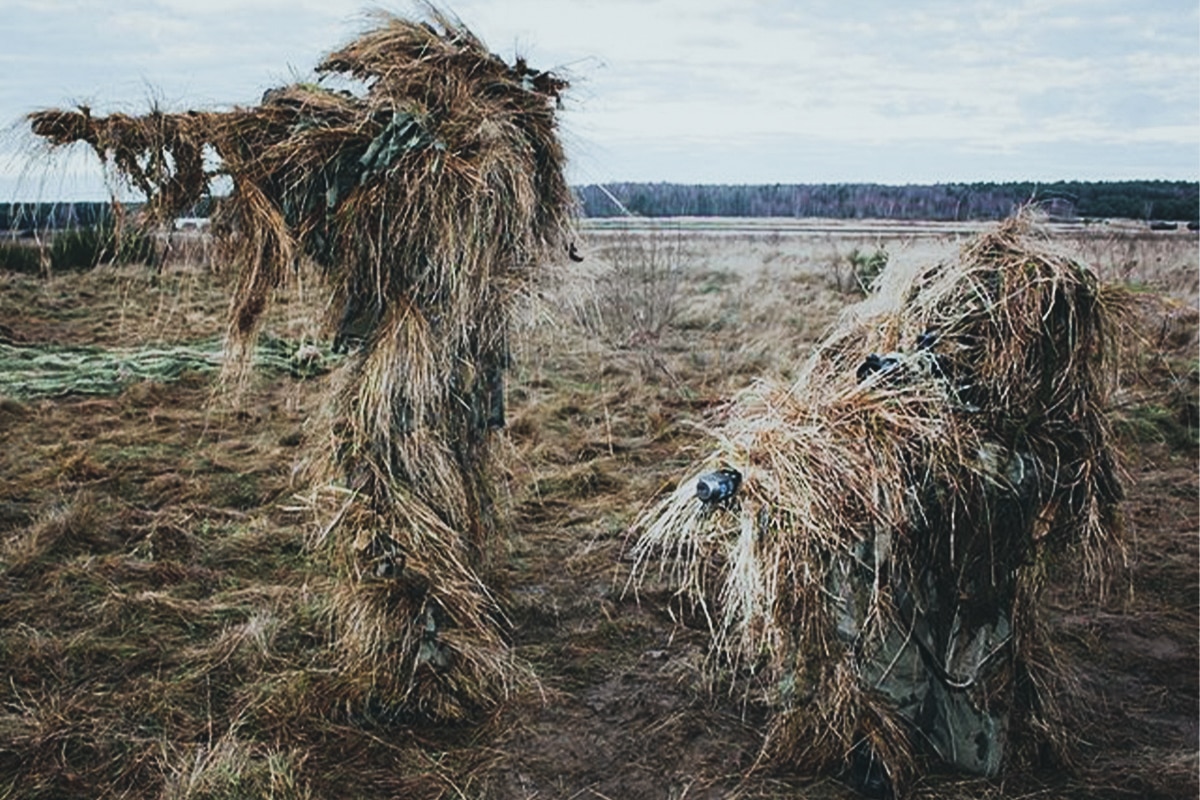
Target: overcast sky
x,y
696,91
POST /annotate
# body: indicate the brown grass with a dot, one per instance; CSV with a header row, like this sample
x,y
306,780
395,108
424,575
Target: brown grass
x,y
188,625
955,482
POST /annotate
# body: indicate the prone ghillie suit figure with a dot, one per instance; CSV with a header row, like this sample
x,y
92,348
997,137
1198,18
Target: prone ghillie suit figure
x,y
428,199
878,563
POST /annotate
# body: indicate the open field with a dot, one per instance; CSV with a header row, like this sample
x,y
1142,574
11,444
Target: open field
x,y
164,629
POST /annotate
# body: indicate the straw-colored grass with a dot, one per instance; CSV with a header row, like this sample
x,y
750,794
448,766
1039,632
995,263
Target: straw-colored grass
x,y
427,201
889,520
164,627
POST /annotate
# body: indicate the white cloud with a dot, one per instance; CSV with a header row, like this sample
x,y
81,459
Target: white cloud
x,y
992,76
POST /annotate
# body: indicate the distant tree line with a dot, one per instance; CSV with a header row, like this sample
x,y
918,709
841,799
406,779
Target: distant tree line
x,y
53,216
1177,201
1149,200
28,217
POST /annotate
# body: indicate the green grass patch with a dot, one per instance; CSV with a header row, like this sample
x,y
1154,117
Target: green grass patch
x,y
1154,424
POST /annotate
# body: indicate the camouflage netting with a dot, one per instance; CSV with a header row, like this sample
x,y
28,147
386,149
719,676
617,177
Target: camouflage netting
x,y
47,370
427,198
901,506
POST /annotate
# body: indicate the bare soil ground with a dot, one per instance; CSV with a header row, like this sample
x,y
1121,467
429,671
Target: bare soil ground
x,y
162,624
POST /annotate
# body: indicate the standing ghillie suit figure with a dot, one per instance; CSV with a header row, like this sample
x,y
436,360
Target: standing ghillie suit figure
x,y
878,538
427,199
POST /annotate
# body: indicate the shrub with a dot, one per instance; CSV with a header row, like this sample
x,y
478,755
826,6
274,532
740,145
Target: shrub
x,y
636,296
866,267
78,249
18,257
855,273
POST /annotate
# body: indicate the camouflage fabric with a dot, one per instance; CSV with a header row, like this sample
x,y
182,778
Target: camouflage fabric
x,y
941,661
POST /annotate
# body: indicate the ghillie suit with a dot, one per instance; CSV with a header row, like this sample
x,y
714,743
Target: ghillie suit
x,y
878,541
427,200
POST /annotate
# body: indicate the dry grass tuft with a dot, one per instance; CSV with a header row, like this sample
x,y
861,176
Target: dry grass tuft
x,y
883,561
229,769
73,526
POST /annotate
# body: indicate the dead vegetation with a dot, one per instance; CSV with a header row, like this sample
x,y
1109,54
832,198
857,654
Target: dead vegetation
x,y
166,631
427,200
881,569
174,625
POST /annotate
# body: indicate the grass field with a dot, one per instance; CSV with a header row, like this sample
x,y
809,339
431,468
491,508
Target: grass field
x,y
164,629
